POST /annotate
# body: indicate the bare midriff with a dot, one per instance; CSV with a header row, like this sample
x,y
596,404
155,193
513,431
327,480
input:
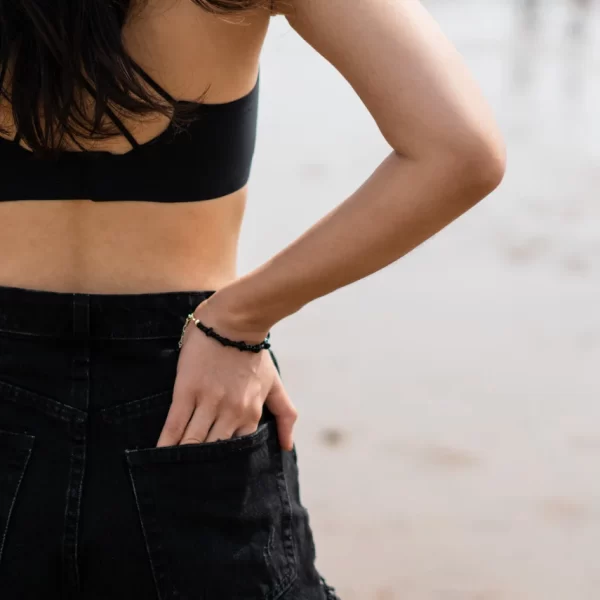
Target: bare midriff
x,y
119,247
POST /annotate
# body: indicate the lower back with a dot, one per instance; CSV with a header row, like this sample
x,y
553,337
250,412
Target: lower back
x,y
120,247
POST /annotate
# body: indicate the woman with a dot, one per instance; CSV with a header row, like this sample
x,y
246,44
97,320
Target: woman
x,y
131,467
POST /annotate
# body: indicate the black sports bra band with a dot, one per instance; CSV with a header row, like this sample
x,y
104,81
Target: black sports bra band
x,y
210,157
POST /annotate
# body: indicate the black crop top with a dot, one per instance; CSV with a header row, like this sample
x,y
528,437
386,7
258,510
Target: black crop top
x,y
209,158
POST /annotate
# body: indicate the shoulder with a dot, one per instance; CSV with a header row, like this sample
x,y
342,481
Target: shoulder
x,y
189,49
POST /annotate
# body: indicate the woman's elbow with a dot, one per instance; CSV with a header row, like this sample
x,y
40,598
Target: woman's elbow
x,y
469,163
479,164
491,164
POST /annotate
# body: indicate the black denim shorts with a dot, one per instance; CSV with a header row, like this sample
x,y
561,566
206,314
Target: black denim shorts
x,y
90,509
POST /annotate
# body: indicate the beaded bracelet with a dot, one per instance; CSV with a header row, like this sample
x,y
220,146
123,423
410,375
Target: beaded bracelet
x,y
210,332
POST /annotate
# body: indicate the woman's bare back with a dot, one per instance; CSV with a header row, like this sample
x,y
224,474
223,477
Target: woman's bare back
x,y
120,247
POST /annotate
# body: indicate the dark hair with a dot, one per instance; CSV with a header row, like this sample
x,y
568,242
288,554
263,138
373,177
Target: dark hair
x,y
57,55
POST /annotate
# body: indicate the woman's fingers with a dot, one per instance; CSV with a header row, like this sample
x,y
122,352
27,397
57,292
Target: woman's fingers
x,y
219,404
222,429
280,404
175,424
246,430
182,407
197,429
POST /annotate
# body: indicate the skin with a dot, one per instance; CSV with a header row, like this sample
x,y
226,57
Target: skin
x,y
446,154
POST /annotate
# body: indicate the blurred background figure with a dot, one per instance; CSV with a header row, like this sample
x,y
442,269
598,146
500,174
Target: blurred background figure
x,y
449,414
582,10
530,12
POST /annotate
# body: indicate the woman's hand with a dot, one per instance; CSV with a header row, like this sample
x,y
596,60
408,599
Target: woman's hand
x,y
219,392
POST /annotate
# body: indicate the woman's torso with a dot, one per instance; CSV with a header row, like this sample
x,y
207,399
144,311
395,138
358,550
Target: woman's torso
x,y
132,246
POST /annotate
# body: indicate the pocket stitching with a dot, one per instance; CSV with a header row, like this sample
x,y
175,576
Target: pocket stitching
x,y
221,449
157,556
290,573
156,576
18,436
28,450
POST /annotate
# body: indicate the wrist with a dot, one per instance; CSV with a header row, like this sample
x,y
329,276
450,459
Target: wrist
x,y
227,316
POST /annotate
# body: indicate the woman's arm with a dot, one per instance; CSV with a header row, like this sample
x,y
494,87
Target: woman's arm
x,y
447,155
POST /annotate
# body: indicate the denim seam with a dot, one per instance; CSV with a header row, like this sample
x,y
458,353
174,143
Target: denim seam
x,y
290,572
79,495
14,499
141,520
21,437
67,504
47,405
73,505
133,409
92,337
268,549
157,556
26,333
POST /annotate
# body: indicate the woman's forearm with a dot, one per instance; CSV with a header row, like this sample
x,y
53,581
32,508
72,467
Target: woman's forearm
x,y
401,205
448,155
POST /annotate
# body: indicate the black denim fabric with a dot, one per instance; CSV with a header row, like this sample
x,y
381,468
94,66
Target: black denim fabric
x,y
90,509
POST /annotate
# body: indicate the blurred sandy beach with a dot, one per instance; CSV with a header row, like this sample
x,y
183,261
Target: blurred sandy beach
x,y
449,438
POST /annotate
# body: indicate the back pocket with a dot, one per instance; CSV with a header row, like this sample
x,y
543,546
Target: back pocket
x,y
15,450
216,518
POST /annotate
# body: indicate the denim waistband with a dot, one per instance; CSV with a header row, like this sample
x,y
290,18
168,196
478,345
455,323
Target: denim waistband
x,y
96,316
